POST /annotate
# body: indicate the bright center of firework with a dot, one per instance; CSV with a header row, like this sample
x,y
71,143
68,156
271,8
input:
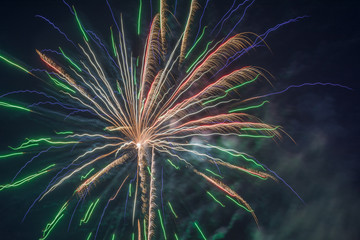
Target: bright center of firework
x,y
138,145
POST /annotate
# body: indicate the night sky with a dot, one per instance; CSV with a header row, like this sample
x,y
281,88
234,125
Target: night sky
x,y
322,166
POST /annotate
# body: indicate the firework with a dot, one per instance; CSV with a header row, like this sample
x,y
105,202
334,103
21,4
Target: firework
x,y
161,109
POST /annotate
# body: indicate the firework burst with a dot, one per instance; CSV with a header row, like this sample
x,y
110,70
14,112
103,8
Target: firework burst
x,y
136,115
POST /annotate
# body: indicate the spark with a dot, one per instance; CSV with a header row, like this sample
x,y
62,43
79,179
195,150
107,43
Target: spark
x,y
195,44
64,133
86,175
198,228
172,164
212,196
9,105
247,108
139,18
172,210
11,155
14,64
89,212
26,179
162,224
237,203
70,61
80,25
50,226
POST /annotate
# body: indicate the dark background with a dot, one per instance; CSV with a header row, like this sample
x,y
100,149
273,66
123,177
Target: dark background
x,y
322,166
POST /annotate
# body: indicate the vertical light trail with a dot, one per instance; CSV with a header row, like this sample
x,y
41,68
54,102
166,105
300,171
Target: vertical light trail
x,y
162,224
113,42
80,25
145,230
139,18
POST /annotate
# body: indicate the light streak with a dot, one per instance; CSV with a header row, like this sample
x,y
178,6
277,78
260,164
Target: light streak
x,y
201,55
212,196
89,212
145,230
139,18
256,136
14,64
50,226
58,83
162,224
70,61
237,154
28,146
172,210
172,164
26,179
8,105
214,173
80,25
302,85
113,42
89,236
197,41
247,108
86,175
130,190
231,89
11,155
64,133
198,228
35,142
237,203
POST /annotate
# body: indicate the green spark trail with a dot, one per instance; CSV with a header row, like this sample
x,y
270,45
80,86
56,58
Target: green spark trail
x,y
14,64
26,179
10,155
198,228
89,212
50,226
249,107
80,25
8,105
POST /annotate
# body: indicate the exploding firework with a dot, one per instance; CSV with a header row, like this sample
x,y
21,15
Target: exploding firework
x,y
130,117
